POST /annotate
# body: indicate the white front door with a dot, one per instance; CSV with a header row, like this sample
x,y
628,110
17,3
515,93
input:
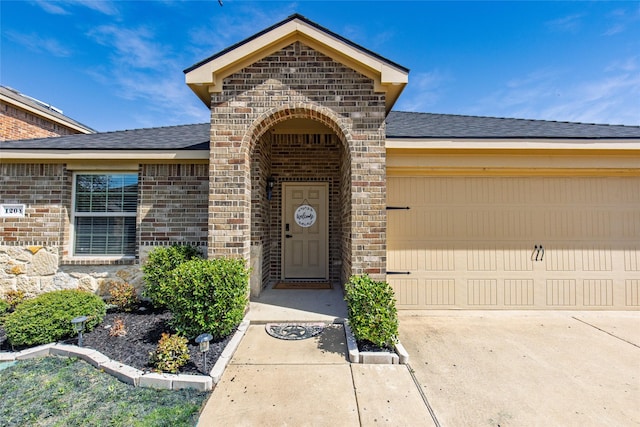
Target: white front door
x,y
305,231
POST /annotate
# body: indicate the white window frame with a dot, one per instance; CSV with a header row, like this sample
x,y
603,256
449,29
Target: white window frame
x,y
75,215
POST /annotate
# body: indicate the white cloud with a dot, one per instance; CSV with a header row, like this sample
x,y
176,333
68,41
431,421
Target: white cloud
x,y
133,47
424,91
39,44
571,23
613,97
619,20
224,30
143,70
63,7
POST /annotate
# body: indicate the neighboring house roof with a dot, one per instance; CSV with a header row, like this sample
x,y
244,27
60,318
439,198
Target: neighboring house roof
x,y
399,125
34,106
427,125
207,76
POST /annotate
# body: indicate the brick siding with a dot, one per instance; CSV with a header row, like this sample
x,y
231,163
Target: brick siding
x,y
173,204
44,189
16,123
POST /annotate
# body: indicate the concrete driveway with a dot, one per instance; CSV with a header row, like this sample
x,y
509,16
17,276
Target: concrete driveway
x,y
480,368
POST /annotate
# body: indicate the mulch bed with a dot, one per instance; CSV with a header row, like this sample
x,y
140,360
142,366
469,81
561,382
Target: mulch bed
x,y
144,328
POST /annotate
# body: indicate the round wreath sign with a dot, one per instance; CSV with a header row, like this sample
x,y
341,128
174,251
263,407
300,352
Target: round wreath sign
x,y
305,216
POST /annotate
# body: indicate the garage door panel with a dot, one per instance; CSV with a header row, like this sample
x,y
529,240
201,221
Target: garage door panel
x,y
414,256
597,293
518,292
476,242
596,259
632,259
632,293
561,292
518,258
418,293
482,292
631,224
481,258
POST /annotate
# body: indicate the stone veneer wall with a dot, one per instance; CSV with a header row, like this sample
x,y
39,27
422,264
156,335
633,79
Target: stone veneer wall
x,y
172,208
299,82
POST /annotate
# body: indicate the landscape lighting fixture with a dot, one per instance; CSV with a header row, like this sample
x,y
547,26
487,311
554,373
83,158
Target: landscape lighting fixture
x,y
78,327
203,343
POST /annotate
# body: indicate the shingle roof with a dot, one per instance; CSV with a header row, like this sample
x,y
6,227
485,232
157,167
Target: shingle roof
x,y
184,137
399,125
427,125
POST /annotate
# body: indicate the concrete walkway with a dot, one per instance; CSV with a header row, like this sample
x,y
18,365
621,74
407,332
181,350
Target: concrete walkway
x,y
273,382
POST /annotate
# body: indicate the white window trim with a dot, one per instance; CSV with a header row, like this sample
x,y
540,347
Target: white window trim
x,y
74,215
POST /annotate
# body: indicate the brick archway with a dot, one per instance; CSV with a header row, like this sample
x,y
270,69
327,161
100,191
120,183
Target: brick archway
x,y
270,118
321,155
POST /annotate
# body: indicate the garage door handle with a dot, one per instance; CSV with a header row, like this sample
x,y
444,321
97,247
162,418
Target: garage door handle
x,y
397,208
398,272
538,253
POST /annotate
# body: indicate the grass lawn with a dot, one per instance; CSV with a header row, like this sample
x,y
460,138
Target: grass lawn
x,y
54,391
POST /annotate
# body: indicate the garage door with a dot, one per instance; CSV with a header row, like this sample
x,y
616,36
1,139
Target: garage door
x,y
514,243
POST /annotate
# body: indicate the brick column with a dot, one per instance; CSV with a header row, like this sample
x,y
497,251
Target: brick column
x,y
229,183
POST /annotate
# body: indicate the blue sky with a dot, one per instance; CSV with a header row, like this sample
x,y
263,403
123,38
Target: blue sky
x,y
119,64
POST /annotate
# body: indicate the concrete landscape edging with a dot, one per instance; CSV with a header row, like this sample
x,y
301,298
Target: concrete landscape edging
x,y
400,356
134,376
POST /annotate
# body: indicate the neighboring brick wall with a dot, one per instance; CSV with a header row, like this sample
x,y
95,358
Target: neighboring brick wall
x,y
44,189
16,123
298,82
173,204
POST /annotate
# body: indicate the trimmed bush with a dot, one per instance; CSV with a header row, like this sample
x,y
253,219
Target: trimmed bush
x,y
171,354
208,296
4,307
157,270
372,311
47,317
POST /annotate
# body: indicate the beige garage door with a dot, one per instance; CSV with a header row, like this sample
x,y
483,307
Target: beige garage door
x,y
514,243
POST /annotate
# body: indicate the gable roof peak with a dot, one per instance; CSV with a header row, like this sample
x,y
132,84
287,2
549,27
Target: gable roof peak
x,y
207,76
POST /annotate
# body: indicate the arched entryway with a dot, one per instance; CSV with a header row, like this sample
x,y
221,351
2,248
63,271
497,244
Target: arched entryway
x,y
300,163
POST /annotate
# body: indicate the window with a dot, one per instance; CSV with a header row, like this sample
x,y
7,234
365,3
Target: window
x,y
104,211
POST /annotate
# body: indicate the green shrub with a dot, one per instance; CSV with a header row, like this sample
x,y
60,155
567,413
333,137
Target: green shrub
x,y
4,307
157,270
208,296
123,296
171,354
47,317
372,311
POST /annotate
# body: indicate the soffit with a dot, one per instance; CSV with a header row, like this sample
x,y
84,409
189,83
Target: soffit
x,y
207,77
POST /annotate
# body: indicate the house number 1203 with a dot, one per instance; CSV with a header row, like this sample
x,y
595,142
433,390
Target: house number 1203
x,y
305,216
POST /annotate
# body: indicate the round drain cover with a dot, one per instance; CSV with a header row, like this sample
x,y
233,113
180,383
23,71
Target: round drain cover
x,y
294,331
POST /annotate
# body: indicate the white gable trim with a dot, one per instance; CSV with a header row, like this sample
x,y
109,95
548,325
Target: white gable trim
x,y
208,77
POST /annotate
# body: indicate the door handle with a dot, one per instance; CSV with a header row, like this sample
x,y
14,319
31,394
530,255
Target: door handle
x,y
288,236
